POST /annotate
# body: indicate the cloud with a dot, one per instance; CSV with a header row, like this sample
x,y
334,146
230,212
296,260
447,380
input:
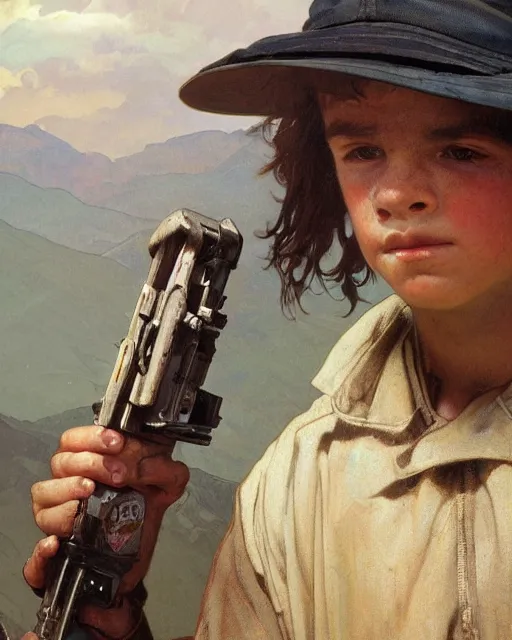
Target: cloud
x,y
53,6
105,74
139,120
13,10
9,79
233,20
47,100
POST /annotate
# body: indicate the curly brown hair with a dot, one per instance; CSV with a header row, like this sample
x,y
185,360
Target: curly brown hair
x,y
313,215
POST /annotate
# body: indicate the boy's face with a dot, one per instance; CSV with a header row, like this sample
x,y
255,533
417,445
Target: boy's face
x,y
428,186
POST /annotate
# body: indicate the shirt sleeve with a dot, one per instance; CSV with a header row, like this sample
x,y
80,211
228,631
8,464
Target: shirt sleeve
x,y
237,604
258,571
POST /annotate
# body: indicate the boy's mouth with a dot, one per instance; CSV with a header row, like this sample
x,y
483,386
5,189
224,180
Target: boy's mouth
x,y
411,241
411,247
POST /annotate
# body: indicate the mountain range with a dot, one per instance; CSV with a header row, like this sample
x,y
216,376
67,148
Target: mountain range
x,y
58,216
47,161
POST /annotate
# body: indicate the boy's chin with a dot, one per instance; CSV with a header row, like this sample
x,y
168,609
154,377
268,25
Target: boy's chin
x,y
432,296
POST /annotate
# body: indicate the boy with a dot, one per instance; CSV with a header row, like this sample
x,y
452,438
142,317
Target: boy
x,y
385,510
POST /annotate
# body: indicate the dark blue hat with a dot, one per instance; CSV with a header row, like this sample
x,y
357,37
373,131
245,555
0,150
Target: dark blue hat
x,y
452,48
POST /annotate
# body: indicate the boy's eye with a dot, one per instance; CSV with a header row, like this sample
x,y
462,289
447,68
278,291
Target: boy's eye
x,y
364,153
462,154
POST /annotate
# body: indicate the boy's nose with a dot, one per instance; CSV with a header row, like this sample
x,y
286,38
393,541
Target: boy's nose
x,y
397,207
403,194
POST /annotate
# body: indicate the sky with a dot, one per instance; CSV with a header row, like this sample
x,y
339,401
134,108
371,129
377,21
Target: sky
x,y
104,75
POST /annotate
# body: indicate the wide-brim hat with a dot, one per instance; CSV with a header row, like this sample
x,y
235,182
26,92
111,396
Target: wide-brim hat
x,y
451,48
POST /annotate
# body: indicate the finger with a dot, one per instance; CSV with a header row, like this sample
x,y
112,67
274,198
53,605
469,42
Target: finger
x,y
92,438
29,636
135,451
50,493
162,482
59,520
168,475
34,570
100,468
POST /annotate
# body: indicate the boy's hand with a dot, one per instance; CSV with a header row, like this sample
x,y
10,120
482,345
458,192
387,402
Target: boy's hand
x,y
89,454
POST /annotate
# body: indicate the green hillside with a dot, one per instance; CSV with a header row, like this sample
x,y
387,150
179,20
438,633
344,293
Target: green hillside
x,y
62,313
133,252
60,217
231,190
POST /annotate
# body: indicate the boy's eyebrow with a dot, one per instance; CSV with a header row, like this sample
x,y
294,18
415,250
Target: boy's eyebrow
x,y
499,128
347,129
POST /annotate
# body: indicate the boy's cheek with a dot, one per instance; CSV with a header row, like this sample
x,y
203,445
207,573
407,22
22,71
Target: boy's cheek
x,y
357,199
483,220
361,212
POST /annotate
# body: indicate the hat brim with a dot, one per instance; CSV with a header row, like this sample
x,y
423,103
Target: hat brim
x,y
269,77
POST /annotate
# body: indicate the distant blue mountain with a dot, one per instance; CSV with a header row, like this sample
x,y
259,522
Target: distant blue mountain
x,y
46,161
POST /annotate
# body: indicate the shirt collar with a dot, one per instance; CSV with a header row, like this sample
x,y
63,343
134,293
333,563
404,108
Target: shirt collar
x,y
375,379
